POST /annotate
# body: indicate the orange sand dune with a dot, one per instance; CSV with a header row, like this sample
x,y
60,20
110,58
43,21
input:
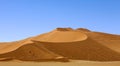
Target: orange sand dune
x,y
63,44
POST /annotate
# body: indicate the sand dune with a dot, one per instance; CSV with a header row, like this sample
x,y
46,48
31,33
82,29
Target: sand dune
x,y
63,44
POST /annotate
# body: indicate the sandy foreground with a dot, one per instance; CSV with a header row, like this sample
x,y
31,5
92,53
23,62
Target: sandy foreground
x,y
72,63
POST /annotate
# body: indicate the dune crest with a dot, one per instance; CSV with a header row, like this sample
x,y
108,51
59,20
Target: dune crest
x,y
64,29
83,29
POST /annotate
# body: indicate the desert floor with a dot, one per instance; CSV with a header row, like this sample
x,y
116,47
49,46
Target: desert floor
x,y
72,63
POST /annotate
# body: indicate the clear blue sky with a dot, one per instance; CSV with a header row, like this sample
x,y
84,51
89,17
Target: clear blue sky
x,y
25,18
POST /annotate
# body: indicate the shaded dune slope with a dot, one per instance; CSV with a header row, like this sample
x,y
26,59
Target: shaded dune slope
x,y
31,52
109,40
83,50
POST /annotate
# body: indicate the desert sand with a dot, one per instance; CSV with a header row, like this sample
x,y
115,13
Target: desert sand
x,y
82,46
71,63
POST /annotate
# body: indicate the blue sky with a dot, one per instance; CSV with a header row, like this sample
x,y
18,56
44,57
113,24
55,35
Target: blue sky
x,y
25,18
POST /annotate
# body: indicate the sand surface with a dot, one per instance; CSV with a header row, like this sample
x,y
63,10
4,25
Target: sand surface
x,y
72,63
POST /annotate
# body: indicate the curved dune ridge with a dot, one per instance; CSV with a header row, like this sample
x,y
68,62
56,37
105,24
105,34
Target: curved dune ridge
x,y
63,44
62,35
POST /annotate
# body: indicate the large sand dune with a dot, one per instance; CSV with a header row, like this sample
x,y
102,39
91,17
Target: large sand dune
x,y
63,44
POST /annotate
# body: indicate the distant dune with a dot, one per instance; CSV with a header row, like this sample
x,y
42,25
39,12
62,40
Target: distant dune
x,y
63,44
